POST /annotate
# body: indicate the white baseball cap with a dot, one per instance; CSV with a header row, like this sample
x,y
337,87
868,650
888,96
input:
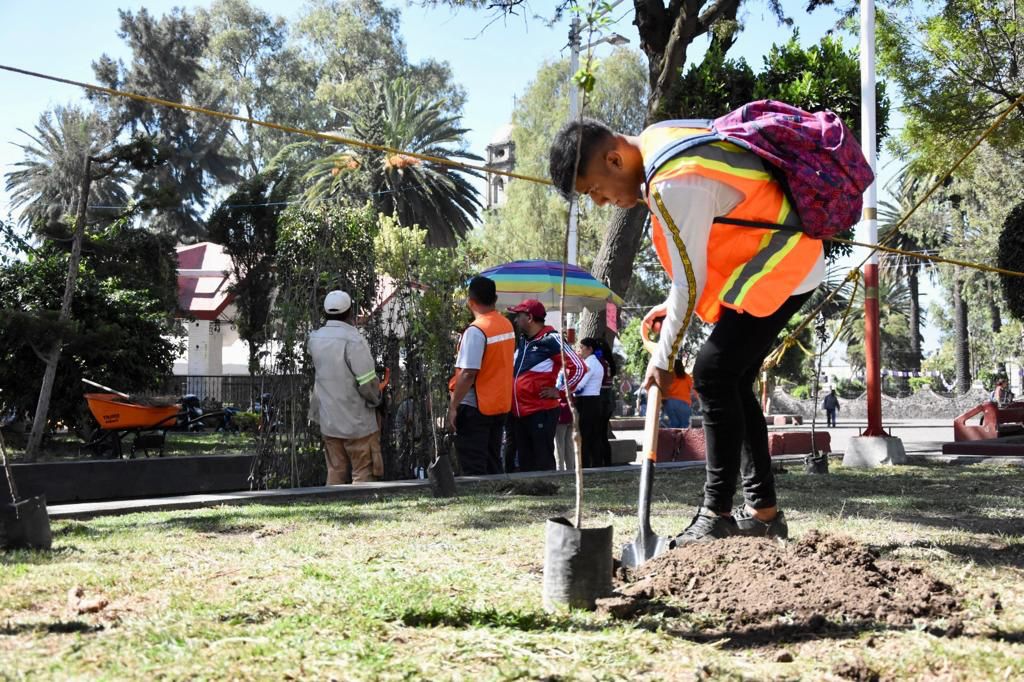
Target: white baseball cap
x,y
337,301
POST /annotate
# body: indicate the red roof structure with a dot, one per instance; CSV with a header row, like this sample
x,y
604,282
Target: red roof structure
x,y
203,281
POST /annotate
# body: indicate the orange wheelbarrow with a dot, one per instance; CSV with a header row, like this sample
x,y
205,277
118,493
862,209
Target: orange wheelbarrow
x,y
118,417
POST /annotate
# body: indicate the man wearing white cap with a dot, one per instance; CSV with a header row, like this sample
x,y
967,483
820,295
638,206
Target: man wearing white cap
x,y
345,394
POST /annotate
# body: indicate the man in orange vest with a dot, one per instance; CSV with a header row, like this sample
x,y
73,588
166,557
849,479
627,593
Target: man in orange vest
x,y
748,281
481,389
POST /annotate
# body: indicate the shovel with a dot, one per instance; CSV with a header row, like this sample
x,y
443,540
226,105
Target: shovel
x,y
647,545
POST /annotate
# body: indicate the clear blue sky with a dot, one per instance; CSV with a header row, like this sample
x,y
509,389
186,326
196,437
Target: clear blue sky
x,y
494,60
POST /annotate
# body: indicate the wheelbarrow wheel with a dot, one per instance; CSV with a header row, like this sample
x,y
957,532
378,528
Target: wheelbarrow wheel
x,y
104,445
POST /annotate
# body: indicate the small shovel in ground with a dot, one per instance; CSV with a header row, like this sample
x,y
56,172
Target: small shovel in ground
x,y
647,545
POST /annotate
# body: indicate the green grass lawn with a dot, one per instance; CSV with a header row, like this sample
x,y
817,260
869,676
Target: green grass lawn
x,y
411,587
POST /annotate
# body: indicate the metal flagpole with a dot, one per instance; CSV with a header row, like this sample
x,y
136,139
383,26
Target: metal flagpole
x,y
872,337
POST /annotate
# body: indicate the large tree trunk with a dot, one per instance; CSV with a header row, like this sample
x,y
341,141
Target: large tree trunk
x,y
53,356
614,264
915,318
963,351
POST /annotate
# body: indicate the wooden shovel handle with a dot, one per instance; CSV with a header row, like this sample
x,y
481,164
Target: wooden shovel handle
x,y
650,444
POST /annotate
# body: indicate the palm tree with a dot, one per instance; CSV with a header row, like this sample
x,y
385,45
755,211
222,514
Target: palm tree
x,y
893,319
436,197
47,181
907,188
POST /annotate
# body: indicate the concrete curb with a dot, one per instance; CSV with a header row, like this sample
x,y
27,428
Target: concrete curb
x,y
88,510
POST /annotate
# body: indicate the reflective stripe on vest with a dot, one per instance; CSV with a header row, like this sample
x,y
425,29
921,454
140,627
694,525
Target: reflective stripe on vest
x,y
494,378
752,270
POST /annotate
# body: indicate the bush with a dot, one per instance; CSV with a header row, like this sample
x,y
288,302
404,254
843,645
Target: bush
x,y
802,392
917,383
246,421
849,388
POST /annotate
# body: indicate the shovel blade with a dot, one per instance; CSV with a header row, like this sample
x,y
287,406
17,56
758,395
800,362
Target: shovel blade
x,y
643,549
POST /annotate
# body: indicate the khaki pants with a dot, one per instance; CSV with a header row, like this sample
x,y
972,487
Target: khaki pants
x,y
353,460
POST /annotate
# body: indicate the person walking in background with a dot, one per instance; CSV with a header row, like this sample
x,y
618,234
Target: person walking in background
x,y
481,388
831,406
676,406
538,362
346,392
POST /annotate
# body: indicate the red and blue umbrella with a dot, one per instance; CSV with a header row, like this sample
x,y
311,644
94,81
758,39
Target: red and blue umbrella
x,y
542,280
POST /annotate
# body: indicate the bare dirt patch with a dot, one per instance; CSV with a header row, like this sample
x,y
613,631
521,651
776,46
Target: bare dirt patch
x,y
764,588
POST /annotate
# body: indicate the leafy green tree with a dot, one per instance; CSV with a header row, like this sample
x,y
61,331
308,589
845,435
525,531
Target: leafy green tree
x,y
356,45
957,65
894,327
262,74
246,225
399,115
121,331
166,63
45,183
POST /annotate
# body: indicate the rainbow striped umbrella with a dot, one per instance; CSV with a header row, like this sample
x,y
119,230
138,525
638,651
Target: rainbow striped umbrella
x,y
542,279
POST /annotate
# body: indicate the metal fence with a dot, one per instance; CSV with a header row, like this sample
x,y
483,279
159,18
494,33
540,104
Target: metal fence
x,y
232,390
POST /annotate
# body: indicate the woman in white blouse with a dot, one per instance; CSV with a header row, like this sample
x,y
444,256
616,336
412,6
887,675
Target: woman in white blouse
x,y
590,404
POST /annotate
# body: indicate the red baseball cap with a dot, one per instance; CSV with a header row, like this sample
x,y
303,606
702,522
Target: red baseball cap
x,y
532,306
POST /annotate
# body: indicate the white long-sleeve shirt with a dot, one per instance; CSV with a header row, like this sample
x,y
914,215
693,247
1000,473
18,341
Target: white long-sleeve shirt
x,y
694,201
591,384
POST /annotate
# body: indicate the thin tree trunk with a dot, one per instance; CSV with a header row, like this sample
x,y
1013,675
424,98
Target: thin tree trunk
x,y
614,264
53,357
915,318
963,351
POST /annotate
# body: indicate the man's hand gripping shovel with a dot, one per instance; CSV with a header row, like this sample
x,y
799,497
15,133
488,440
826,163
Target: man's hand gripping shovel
x,y
647,544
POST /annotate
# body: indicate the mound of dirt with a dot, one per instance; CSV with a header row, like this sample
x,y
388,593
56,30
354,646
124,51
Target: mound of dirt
x,y
816,581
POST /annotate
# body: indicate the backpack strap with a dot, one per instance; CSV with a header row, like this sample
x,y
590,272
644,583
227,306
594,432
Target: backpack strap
x,y
757,223
674,149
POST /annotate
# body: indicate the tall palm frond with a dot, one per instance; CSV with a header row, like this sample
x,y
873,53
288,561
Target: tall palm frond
x,y
436,197
46,184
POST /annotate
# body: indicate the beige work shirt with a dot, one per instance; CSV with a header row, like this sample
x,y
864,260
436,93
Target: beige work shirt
x,y
345,391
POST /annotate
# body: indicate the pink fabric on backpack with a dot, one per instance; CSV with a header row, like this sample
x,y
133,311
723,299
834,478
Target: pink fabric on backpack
x,y
821,162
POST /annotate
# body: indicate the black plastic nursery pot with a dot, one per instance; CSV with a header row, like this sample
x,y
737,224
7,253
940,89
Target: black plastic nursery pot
x,y
25,524
577,565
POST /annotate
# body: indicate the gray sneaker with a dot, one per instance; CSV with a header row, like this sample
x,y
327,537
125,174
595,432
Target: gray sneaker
x,y
705,526
747,525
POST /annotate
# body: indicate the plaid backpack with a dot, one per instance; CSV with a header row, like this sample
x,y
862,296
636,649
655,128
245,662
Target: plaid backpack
x,y
815,156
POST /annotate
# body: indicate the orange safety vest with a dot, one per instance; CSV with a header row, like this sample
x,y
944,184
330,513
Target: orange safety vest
x,y
751,270
494,379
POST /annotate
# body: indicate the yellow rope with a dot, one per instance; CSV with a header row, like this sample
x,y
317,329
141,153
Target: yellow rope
x,y
849,307
275,126
486,169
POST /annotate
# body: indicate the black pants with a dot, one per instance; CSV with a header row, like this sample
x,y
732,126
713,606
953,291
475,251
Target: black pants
x,y
594,431
478,441
830,416
533,438
734,426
